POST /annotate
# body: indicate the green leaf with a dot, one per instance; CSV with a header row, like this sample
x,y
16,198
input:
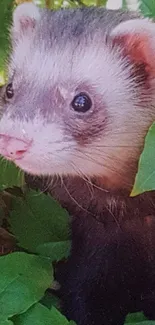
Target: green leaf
x,y
10,175
40,315
37,314
145,178
147,8
124,4
103,2
55,250
37,219
50,300
135,318
58,318
23,281
6,7
147,322
5,322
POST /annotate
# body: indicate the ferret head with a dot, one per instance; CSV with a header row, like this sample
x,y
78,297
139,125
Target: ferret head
x,y
81,93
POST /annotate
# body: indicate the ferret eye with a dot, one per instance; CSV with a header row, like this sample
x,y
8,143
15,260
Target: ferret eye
x,y
9,91
81,103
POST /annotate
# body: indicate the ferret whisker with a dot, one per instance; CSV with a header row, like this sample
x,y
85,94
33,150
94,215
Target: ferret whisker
x,y
40,192
115,219
84,178
93,215
88,180
125,132
114,146
51,182
76,202
89,158
65,148
61,180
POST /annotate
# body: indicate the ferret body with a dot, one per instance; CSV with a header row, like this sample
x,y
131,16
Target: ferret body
x,y
78,104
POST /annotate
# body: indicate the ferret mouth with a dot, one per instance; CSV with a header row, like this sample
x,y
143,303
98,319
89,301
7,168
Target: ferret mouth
x,y
32,168
20,161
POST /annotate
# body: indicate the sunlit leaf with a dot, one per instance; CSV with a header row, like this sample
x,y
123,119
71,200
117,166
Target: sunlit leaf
x,y
147,8
23,281
145,178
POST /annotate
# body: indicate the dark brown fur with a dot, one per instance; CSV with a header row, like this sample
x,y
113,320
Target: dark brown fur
x,y
111,269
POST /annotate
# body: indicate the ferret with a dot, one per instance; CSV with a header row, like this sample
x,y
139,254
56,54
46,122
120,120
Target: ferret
x,y
79,101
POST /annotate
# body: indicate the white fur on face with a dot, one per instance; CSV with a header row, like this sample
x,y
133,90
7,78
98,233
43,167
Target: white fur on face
x,y
50,154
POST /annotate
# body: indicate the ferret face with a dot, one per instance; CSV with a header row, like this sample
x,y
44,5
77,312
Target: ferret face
x,y
75,102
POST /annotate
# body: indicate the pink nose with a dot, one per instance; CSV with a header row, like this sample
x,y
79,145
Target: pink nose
x,y
13,148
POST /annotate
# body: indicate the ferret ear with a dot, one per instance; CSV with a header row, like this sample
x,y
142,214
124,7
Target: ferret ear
x,y
137,38
25,18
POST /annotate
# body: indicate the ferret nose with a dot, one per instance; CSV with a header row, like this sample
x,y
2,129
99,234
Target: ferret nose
x,y
13,148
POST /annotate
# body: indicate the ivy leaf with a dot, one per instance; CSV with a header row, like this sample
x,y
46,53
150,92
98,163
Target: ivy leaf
x,y
40,315
10,175
37,219
147,8
55,250
145,178
23,281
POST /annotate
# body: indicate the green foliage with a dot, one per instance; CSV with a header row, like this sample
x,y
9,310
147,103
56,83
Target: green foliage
x,y
147,8
55,250
50,300
147,322
5,321
124,4
10,175
5,21
135,318
145,178
101,2
23,281
43,315
42,220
